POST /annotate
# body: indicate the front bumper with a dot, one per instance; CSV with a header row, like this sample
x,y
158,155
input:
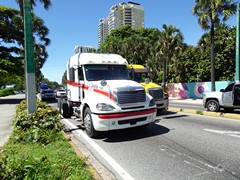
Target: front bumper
x,y
162,104
122,120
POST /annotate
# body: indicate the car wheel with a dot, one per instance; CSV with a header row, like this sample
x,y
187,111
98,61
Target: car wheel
x,y
213,105
91,132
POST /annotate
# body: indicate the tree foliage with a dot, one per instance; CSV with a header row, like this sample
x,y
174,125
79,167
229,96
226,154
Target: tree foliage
x,y
210,15
12,44
168,46
184,63
46,3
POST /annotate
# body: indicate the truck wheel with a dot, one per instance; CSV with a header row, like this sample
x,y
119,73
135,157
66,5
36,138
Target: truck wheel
x,y
65,110
213,105
70,109
60,106
91,132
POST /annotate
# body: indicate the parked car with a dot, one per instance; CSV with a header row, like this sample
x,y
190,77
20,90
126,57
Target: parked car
x,y
61,93
228,98
47,94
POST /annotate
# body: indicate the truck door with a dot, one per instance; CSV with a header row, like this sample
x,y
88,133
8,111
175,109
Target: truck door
x,y
81,83
227,96
236,94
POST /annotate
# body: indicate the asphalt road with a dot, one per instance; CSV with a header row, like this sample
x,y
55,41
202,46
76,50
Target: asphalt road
x,y
186,106
180,146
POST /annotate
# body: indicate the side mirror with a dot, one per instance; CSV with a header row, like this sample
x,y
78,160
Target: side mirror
x,y
147,80
222,90
103,82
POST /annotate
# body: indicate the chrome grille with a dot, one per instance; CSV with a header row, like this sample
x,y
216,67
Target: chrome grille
x,y
133,96
156,93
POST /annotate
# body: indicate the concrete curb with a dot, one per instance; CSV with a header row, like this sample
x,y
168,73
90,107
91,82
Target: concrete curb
x,y
206,113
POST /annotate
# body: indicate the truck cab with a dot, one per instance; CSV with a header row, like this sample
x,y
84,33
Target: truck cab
x,y
140,74
101,95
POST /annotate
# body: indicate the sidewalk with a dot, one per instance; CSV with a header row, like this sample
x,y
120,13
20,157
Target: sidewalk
x,y
8,110
189,100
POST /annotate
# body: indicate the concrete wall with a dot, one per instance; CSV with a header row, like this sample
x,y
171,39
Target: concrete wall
x,y
193,90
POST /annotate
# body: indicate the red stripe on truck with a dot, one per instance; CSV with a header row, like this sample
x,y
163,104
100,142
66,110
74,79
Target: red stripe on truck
x,y
75,84
126,114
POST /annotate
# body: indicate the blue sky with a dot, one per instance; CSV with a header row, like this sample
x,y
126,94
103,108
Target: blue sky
x,y
74,22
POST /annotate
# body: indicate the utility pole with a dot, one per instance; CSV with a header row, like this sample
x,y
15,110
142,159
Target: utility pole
x,y
29,58
237,47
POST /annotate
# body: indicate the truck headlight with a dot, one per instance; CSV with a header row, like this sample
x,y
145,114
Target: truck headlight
x,y
152,102
104,107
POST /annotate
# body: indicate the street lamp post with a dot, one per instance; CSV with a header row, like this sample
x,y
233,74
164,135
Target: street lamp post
x,y
29,58
237,47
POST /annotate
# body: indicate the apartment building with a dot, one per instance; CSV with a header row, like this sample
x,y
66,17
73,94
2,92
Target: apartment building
x,y
121,14
102,30
124,14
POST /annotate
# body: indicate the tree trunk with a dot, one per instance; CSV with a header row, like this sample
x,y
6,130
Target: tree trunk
x,y
212,59
164,74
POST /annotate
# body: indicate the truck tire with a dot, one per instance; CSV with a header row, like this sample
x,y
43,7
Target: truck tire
x,y
91,132
65,110
213,105
70,109
60,106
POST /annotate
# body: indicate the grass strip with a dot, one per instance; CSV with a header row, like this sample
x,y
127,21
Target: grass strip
x,y
56,160
37,149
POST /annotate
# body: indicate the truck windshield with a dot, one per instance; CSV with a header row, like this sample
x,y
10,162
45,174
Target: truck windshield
x,y
97,72
140,77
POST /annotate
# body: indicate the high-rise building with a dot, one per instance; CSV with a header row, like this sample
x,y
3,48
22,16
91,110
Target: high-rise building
x,y
121,14
102,30
124,14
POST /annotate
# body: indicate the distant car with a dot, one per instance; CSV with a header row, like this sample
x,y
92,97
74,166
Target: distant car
x,y
47,94
61,93
228,98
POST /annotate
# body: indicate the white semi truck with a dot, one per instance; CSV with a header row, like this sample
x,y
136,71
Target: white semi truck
x,y
101,94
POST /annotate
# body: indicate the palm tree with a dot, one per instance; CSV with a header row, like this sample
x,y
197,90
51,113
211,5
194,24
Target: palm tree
x,y
47,4
210,15
136,49
169,42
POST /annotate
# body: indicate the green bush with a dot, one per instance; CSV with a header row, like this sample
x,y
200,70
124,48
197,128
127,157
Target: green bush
x,y
199,112
39,126
37,148
54,161
6,92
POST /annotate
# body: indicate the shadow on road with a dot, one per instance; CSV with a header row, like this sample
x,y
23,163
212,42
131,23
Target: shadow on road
x,y
10,101
166,113
132,134
175,116
235,111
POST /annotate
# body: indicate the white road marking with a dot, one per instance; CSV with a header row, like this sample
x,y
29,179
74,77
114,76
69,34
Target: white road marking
x,y
228,133
123,173
196,163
